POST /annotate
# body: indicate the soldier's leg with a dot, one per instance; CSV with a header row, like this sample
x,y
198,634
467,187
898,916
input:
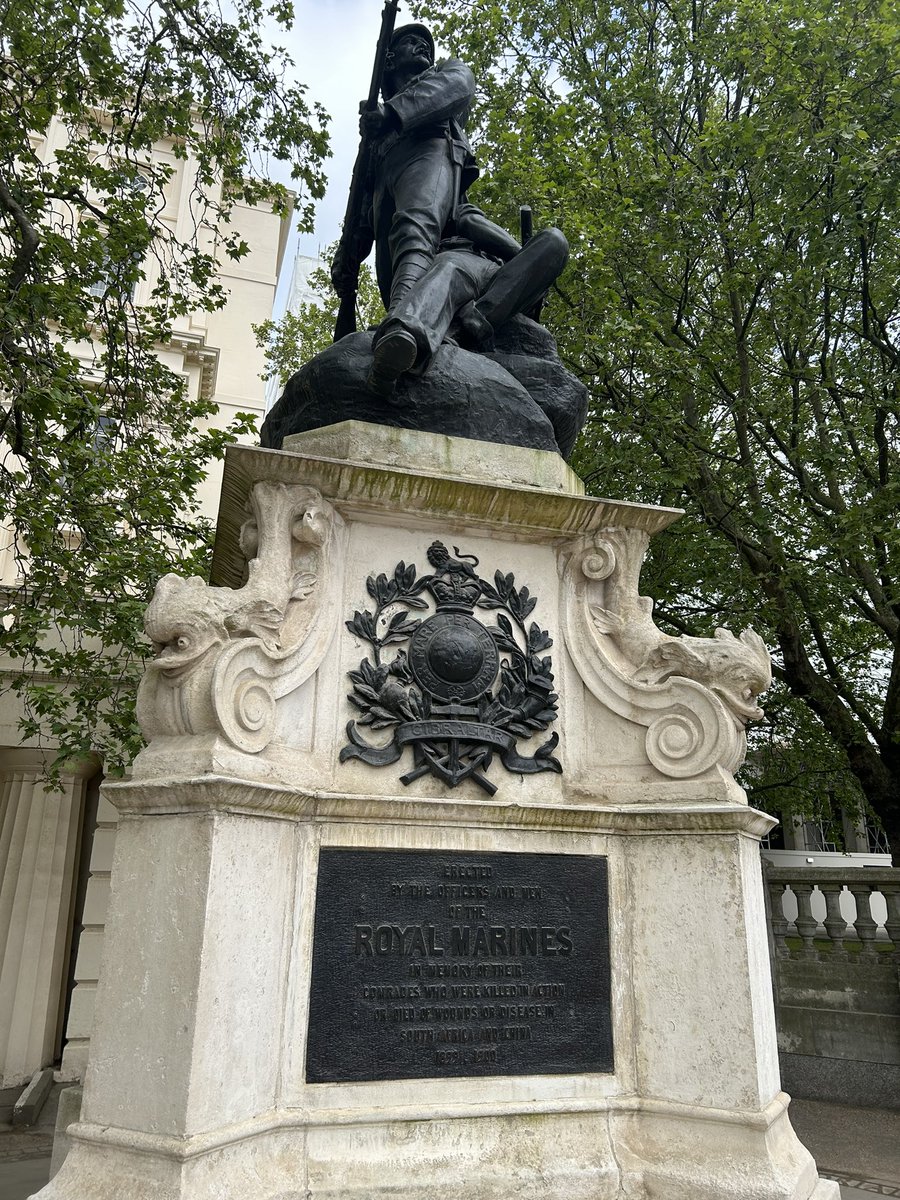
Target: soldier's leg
x,y
421,181
522,281
422,184
424,315
453,280
484,233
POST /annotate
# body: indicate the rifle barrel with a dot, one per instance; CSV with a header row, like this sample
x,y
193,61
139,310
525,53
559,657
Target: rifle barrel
x,y
526,226
346,320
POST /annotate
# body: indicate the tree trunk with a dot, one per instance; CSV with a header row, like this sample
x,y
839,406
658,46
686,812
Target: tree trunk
x,y
876,767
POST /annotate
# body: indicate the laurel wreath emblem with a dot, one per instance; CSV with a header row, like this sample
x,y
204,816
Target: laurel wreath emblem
x,y
454,689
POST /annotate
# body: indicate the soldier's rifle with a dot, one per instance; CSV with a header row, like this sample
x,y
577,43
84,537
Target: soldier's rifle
x,y
349,244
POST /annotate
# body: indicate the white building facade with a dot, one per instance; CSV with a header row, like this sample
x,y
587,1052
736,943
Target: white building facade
x,y
56,848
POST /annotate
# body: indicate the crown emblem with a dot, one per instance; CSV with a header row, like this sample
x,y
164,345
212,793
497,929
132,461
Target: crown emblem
x,y
454,584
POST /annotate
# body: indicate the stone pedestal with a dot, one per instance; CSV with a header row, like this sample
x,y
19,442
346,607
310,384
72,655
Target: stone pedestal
x,y
198,1084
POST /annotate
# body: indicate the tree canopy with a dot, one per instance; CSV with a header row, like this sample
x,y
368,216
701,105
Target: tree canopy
x,y
103,446
727,173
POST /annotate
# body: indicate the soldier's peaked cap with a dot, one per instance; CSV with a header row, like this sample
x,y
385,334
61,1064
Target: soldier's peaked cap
x,y
422,30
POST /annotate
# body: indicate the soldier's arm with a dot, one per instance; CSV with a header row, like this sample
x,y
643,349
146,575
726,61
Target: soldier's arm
x,y
437,95
484,233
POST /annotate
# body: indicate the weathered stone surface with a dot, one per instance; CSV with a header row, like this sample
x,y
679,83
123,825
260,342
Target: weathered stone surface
x,y
27,1108
199,1085
437,454
520,394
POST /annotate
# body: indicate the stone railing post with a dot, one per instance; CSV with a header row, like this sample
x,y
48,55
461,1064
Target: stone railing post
x,y
806,923
891,893
864,924
835,925
778,919
871,929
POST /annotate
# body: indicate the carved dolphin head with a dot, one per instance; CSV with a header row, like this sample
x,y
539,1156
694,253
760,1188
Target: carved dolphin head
x,y
735,669
183,620
741,672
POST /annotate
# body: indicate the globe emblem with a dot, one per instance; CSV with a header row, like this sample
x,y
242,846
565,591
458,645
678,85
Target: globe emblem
x,y
453,657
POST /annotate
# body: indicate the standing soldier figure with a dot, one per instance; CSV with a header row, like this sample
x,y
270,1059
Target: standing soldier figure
x,y
421,165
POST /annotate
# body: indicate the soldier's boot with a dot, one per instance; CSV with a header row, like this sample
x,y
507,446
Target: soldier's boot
x,y
394,352
407,272
471,329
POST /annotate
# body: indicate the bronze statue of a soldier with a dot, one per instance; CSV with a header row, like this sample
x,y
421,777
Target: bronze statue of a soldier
x,y
460,351
442,267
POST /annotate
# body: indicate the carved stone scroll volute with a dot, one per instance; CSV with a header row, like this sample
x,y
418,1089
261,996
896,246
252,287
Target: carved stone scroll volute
x,y
224,656
694,695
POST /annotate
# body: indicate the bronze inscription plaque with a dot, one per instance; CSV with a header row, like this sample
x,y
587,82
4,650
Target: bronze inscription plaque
x,y
430,964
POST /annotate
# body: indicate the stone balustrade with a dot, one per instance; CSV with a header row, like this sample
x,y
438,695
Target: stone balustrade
x,y
855,905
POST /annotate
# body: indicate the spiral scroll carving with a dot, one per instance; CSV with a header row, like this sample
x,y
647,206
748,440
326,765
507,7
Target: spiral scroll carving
x,y
243,701
686,743
224,657
694,695
600,563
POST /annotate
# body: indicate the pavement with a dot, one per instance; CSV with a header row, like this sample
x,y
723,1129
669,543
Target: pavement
x,y
859,1147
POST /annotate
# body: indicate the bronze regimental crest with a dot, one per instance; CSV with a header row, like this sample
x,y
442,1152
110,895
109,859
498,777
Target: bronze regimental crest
x,y
455,690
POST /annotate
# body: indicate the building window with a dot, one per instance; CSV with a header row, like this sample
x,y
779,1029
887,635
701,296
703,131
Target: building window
x,y
822,837
774,839
136,185
107,282
105,431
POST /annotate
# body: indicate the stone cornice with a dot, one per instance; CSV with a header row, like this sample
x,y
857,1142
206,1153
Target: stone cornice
x,y
218,793
380,492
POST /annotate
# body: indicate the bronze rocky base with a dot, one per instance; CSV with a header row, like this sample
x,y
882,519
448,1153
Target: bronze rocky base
x,y
519,394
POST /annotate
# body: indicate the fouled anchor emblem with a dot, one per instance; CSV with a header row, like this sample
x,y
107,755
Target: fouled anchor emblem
x,y
439,692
